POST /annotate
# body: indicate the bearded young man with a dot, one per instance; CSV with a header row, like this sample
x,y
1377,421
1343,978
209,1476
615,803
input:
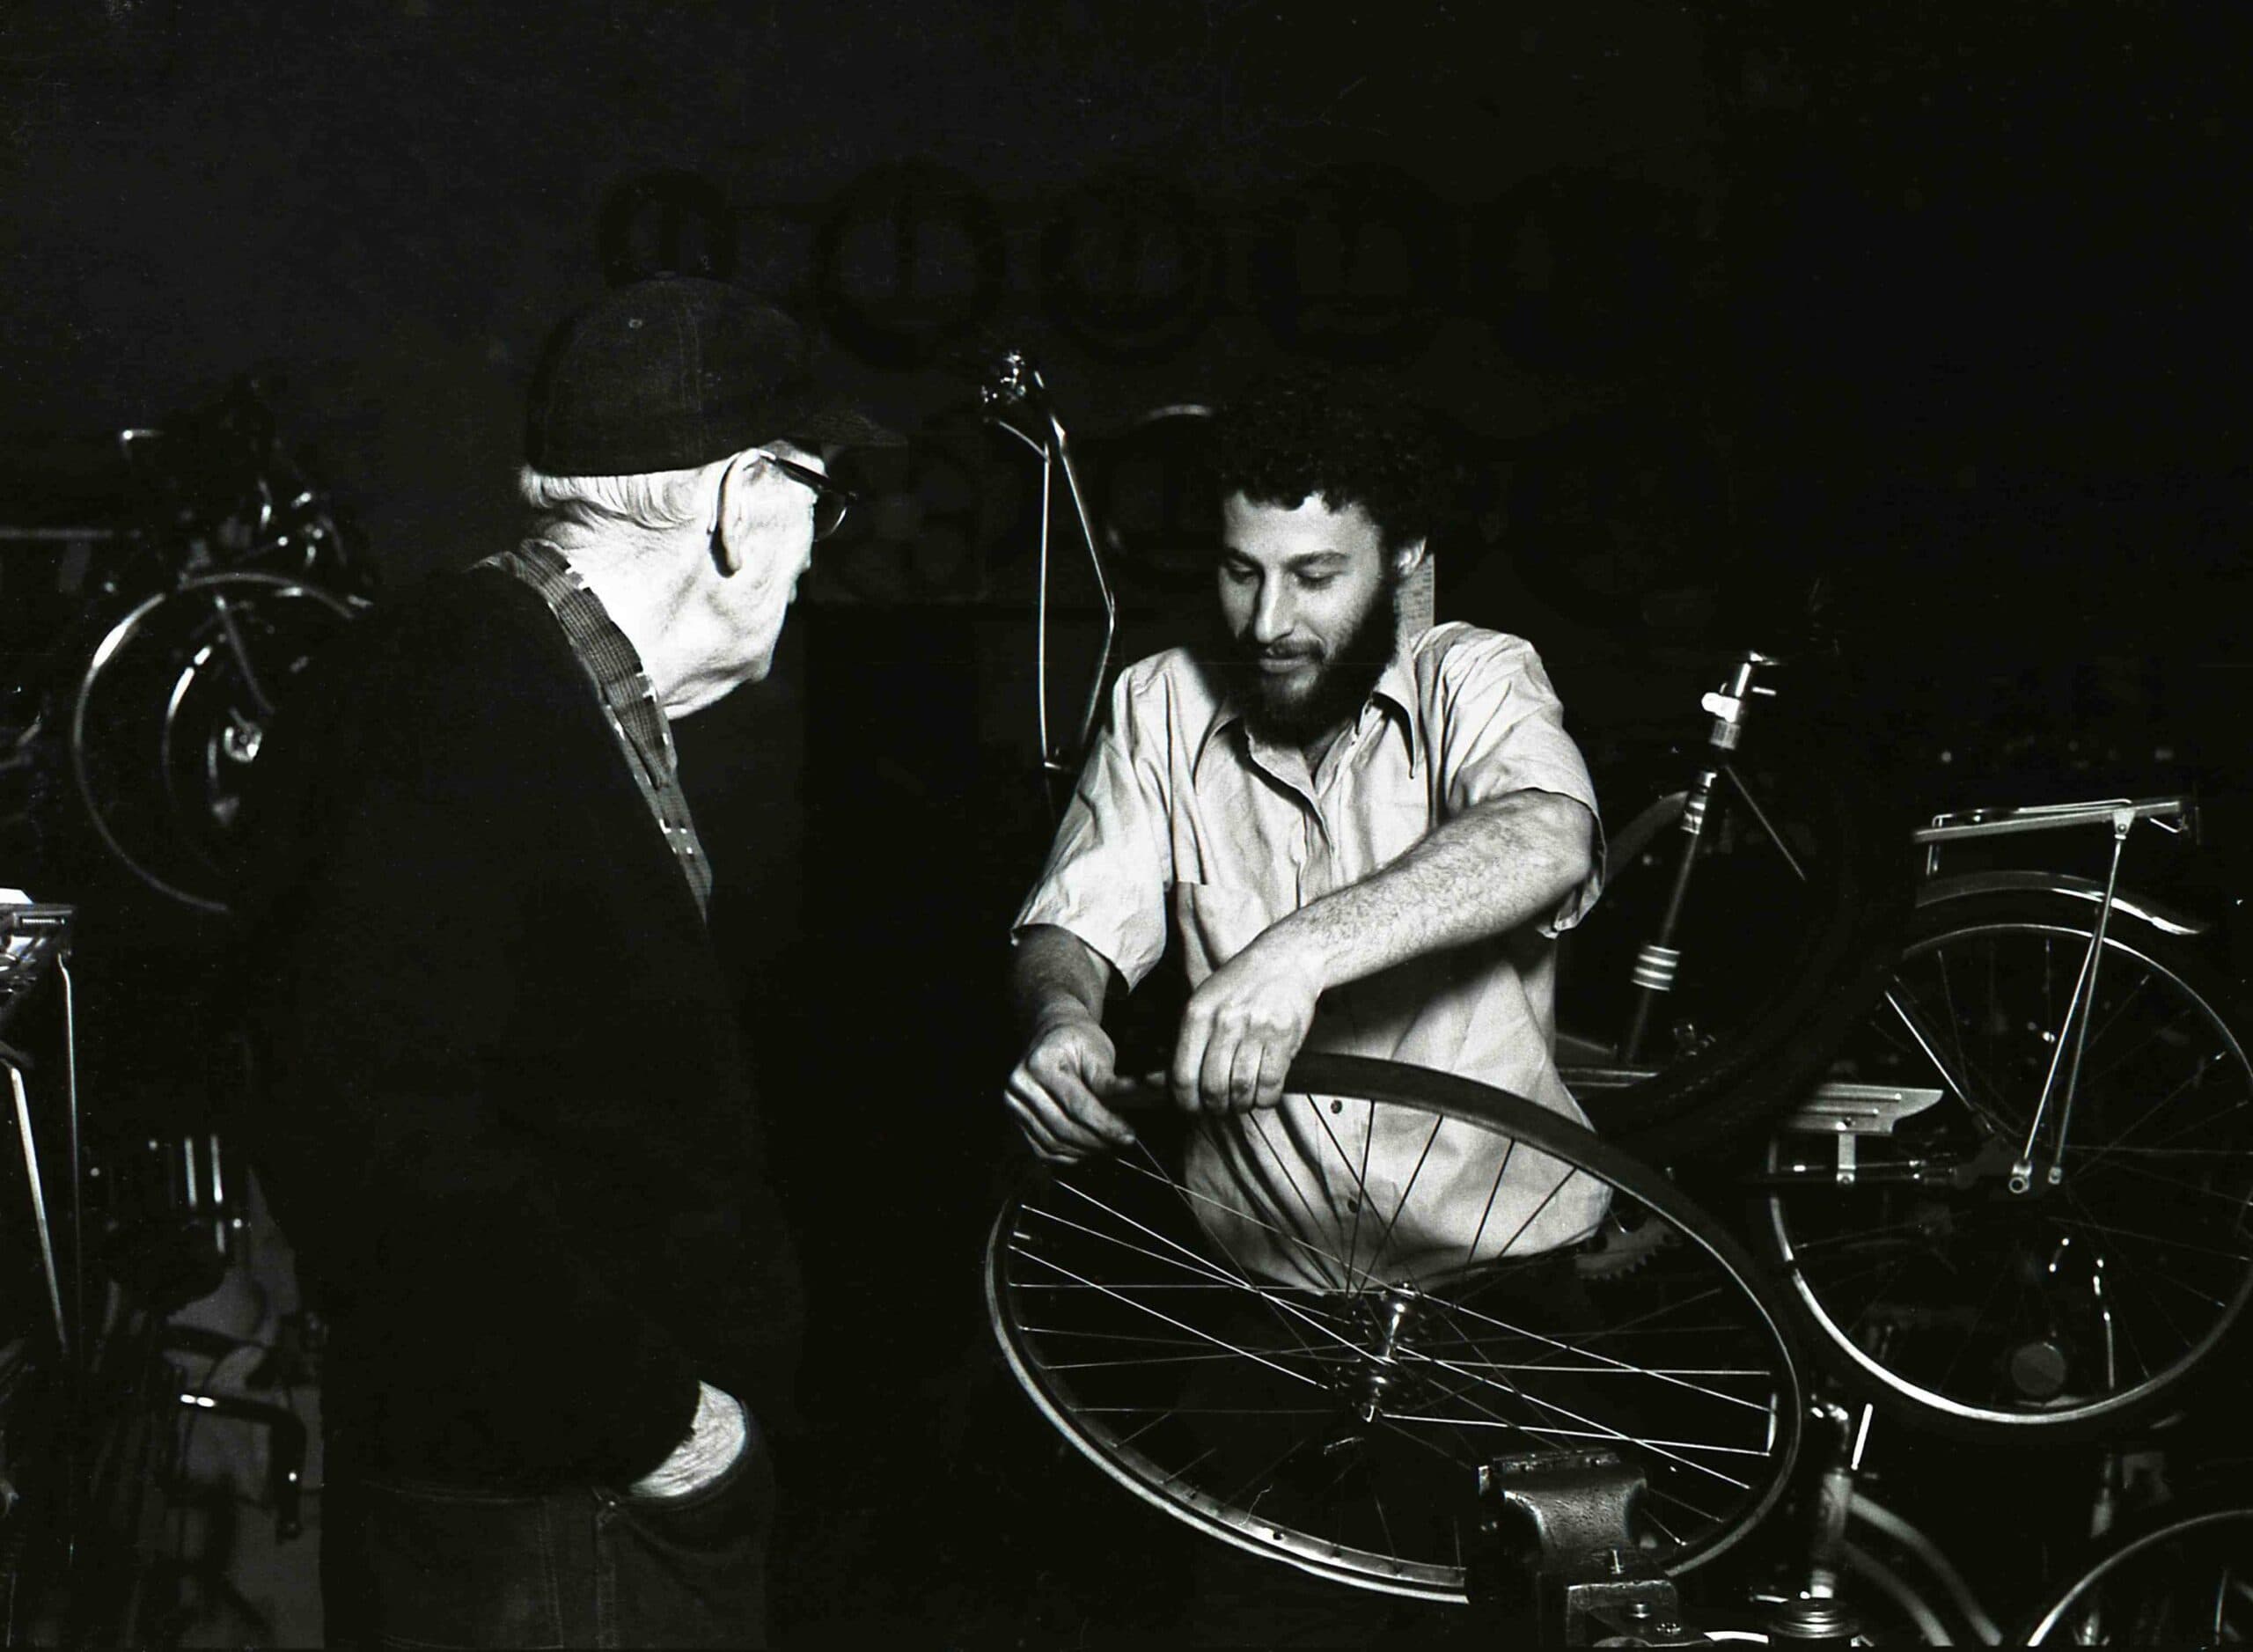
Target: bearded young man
x,y
1368,840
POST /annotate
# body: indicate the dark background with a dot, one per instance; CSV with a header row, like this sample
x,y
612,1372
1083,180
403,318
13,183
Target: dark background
x,y
1942,303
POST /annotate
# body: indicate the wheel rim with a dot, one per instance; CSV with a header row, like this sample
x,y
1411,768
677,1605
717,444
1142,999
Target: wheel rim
x,y
169,714
1334,1419
2217,1603
2083,1299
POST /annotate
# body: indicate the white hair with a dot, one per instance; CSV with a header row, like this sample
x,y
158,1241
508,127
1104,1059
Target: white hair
x,y
652,502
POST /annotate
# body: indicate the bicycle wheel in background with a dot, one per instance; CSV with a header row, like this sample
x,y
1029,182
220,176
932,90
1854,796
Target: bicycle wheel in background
x,y
2182,1576
171,712
1804,878
2066,1308
1314,1368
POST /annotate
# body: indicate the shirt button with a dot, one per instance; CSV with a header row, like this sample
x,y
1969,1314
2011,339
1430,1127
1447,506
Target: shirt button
x,y
1337,1105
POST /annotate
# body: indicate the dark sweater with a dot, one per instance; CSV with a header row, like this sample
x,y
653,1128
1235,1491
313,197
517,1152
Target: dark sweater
x,y
506,1118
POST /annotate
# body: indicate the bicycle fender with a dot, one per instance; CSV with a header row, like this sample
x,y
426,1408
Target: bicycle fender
x,y
2163,917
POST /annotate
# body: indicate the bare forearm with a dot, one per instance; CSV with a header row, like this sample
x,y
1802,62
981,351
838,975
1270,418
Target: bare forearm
x,y
1484,873
1054,975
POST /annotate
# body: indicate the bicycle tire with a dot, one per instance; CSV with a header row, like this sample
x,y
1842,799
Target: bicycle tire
x,y
1923,1284
159,817
1859,900
1071,1336
2180,1577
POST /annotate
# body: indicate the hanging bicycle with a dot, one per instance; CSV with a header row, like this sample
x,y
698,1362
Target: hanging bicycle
x,y
155,698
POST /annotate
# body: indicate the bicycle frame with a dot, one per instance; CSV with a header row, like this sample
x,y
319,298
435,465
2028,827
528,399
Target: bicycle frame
x,y
1015,386
1659,960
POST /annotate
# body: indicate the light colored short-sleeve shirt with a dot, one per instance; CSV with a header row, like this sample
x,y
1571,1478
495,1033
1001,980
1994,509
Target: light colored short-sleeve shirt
x,y
1182,807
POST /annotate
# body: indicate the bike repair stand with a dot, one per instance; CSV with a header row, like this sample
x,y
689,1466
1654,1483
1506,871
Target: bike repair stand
x,y
1815,1615
1555,1553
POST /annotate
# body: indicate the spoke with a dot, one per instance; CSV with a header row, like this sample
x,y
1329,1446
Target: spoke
x,y
1471,1251
1954,1019
1264,1477
1187,1192
1224,1286
2129,1260
1281,1305
1258,1121
1534,1215
1128,1440
1107,1336
1196,1265
1157,1358
1202,1264
2143,1269
2157,1152
1862,1237
1401,1203
1385,1419
1665,1531
1182,1472
1361,1175
2120,1258
2197,1124
1583,1433
1391,1542
1602,1432
1607,1370
1647,1323
1626,1365
1208,1411
1876,1293
1923,1045
1143,1307
2121,1008
2095,1226
2080,1174
2148,1114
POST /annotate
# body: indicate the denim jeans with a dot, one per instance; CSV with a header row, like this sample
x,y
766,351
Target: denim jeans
x,y
411,1563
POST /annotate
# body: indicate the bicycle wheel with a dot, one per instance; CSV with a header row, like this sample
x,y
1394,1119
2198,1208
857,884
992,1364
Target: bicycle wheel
x,y
171,712
1307,1346
2183,1577
2067,1308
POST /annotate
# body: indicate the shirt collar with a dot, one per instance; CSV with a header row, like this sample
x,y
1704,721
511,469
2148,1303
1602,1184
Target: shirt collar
x,y
1395,695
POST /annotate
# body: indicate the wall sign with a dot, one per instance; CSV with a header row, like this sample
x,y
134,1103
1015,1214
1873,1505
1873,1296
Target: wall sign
x,y
1130,267
909,259
1359,264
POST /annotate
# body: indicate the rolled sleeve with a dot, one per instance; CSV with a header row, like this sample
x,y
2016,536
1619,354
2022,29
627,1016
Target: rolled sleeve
x,y
1502,732
1111,863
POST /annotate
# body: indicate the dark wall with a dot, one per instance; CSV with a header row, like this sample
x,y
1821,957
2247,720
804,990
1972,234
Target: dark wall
x,y
1721,296
387,202
1946,296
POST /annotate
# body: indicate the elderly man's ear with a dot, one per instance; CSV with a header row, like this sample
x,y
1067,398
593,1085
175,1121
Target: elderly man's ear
x,y
726,555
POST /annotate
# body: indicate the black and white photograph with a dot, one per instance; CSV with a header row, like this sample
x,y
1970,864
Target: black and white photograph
x,y
1085,824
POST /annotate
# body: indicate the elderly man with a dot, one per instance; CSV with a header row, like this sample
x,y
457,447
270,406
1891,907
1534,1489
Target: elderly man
x,y
1370,834
507,1118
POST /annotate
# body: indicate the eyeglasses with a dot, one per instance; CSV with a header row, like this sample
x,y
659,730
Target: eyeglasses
x,y
830,501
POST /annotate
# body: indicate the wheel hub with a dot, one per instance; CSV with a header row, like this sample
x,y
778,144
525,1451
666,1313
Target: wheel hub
x,y
1380,1381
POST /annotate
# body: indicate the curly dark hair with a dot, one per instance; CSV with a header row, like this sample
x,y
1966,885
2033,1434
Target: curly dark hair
x,y
1353,438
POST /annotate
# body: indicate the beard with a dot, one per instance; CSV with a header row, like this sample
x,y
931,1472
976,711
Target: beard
x,y
1345,674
